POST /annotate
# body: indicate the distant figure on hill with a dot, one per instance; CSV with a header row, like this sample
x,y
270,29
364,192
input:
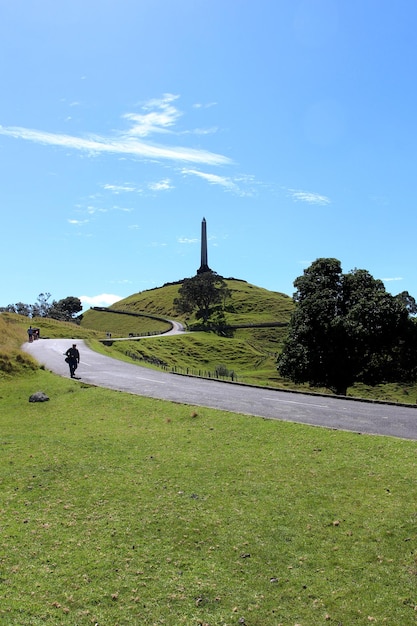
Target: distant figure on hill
x,y
72,358
30,334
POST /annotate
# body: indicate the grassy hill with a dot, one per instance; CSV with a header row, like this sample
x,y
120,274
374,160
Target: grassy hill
x,y
248,303
120,509
249,355
120,325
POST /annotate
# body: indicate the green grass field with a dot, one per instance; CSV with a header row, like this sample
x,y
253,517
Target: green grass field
x,y
117,509
122,510
120,325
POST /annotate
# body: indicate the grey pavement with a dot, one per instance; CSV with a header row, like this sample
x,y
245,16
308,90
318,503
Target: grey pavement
x,y
326,411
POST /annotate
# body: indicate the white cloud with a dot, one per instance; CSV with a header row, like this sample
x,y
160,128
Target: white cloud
x,y
162,185
123,209
77,222
104,299
201,131
198,105
155,121
308,196
91,210
186,240
119,188
215,179
157,116
124,143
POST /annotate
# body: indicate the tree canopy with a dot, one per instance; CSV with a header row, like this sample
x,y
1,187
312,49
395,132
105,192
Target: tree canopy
x,y
65,309
204,292
346,328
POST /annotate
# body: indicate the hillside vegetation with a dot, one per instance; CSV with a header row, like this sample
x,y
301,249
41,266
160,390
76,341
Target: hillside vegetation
x,y
121,509
13,361
248,356
12,335
248,304
120,325
124,509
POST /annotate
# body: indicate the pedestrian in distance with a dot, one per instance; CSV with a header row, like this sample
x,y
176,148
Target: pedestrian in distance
x,y
72,358
30,334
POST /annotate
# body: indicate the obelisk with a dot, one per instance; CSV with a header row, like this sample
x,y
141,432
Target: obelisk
x,y
204,265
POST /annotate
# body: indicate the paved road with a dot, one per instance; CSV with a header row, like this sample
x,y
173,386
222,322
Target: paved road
x,y
177,329
103,371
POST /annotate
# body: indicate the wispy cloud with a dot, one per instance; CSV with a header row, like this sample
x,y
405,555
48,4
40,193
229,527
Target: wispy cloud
x,y
159,117
226,182
92,210
165,184
162,185
187,240
120,188
123,145
308,196
78,222
199,105
201,131
157,244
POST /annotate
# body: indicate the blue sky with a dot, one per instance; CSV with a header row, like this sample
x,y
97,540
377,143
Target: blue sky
x,y
290,126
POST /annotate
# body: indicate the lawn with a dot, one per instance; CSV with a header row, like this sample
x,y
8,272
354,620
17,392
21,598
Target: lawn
x,y
122,510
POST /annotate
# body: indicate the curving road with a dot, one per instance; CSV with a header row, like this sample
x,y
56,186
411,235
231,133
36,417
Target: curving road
x,y
177,329
96,369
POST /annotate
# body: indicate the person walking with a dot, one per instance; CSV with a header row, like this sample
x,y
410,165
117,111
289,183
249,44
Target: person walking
x,y
30,334
72,358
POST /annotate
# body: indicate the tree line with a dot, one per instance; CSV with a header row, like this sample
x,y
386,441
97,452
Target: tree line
x,y
346,328
63,310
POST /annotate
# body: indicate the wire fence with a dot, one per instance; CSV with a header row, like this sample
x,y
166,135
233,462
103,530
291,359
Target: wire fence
x,y
219,373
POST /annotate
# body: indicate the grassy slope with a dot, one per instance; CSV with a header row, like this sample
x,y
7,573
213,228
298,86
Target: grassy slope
x,y
117,509
122,325
250,353
248,303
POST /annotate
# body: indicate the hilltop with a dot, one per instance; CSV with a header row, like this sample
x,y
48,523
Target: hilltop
x,y
249,354
248,304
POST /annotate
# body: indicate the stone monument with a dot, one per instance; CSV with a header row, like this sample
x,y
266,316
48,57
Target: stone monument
x,y
204,265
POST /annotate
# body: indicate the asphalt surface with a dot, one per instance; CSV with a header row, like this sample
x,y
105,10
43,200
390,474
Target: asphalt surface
x,y
335,413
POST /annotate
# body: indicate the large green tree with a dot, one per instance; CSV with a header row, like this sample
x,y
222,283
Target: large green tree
x,y
65,309
347,328
205,292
